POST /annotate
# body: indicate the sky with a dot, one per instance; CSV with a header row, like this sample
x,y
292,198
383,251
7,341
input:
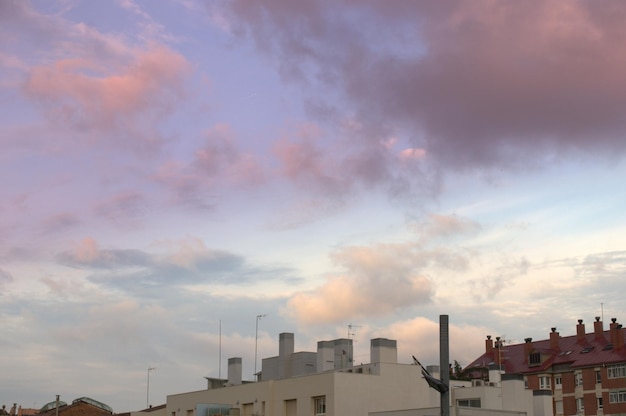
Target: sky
x,y
173,169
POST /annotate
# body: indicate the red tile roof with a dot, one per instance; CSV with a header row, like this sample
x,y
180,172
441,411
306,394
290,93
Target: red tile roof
x,y
590,352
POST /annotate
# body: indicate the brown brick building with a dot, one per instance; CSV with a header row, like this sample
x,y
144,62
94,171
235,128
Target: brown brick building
x,y
586,372
83,406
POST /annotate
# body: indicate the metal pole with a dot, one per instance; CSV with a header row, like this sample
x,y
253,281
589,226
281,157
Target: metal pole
x,y
148,388
444,363
220,354
256,341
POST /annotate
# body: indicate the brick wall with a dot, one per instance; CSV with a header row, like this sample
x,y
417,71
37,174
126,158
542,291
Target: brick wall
x,y
78,409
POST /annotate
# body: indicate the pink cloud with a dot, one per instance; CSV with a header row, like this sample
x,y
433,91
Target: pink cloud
x,y
126,205
380,280
219,162
91,95
222,158
412,154
87,251
60,221
336,169
443,226
465,340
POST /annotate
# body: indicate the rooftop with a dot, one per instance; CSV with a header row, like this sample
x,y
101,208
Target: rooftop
x,y
577,351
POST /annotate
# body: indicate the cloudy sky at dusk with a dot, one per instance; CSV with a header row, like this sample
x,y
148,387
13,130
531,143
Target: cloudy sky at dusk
x,y
172,169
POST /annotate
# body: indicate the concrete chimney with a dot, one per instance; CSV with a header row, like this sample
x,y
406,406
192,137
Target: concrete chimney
x,y
285,351
325,356
488,345
598,329
580,332
234,371
383,350
343,353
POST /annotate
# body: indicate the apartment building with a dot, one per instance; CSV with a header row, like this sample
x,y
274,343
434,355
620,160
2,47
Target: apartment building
x,y
83,406
584,373
327,383
312,383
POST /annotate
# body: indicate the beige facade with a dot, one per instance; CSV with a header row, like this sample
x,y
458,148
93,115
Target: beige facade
x,y
507,397
364,389
326,383
313,383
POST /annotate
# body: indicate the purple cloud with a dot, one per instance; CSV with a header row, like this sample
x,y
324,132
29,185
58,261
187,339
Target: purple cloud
x,y
476,85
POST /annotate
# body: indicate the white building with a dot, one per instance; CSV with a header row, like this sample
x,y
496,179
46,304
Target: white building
x,y
327,383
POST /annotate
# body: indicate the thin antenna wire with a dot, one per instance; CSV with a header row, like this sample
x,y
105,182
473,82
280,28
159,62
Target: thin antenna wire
x,y
602,309
220,353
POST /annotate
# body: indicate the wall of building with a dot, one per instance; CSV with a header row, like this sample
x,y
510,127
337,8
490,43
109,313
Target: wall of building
x,y
78,409
158,411
347,392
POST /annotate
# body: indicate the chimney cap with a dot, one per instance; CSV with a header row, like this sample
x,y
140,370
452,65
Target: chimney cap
x,y
553,329
613,320
597,319
488,336
580,321
528,340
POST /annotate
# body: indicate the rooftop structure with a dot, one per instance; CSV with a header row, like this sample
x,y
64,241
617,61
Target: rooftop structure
x,y
328,383
585,373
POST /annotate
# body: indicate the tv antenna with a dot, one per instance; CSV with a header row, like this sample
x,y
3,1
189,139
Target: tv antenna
x,y
351,330
500,341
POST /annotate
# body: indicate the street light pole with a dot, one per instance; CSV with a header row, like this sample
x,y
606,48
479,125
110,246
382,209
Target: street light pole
x,y
444,363
256,339
148,387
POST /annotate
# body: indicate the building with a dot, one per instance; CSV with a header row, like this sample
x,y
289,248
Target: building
x,y
150,411
312,383
585,374
83,406
327,383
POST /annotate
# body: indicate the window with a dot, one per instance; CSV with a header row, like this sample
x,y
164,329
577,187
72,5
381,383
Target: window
x,y
544,382
580,405
559,407
616,371
600,405
291,407
598,377
319,405
558,382
617,396
468,402
578,379
534,358
247,409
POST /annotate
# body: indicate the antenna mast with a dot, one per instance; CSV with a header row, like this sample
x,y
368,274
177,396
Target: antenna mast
x,y
351,330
